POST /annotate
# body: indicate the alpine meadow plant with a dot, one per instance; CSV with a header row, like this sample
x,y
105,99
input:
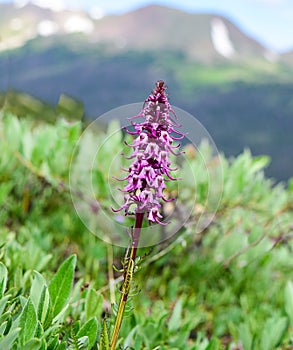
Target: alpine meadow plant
x,y
147,177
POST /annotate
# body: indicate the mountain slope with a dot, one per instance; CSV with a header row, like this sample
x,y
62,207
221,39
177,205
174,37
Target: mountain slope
x,y
202,37
213,70
20,24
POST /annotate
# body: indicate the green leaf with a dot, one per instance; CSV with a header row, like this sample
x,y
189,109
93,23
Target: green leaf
x,y
245,336
3,303
89,329
289,301
33,344
93,304
27,322
175,319
104,338
131,337
45,311
61,284
259,163
44,305
214,345
18,278
99,183
3,278
6,318
37,288
62,346
39,331
53,343
5,188
7,342
3,327
273,332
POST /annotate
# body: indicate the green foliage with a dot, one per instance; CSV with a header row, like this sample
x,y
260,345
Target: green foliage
x,y
37,322
227,285
104,338
61,284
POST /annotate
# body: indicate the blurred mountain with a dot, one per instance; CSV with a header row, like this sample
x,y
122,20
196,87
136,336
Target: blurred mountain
x,y
201,37
19,24
288,58
241,92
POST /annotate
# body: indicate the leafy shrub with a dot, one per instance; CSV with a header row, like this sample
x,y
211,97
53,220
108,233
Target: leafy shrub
x,y
228,286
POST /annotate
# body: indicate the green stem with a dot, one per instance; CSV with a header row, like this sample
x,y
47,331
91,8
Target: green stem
x,y
128,273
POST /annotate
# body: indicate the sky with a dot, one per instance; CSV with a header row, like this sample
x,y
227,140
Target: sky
x,y
268,21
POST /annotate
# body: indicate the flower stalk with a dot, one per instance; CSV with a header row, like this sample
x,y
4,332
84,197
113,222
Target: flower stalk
x,y
127,278
146,179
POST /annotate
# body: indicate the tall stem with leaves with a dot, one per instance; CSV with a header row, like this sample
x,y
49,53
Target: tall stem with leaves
x,y
146,178
128,273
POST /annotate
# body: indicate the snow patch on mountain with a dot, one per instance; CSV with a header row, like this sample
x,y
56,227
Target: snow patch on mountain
x,y
220,38
78,24
47,28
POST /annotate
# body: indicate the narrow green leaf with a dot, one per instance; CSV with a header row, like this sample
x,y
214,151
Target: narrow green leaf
x,y
62,346
18,278
104,339
37,288
7,318
43,262
27,322
273,332
3,327
61,284
131,337
53,342
7,342
23,301
39,331
214,345
245,336
47,311
93,304
3,278
175,319
33,344
259,163
44,305
3,303
89,329
43,345
289,301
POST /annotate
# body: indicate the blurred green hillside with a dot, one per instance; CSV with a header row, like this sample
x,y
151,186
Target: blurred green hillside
x,y
243,100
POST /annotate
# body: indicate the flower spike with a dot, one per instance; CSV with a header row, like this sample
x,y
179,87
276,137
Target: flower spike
x,y
151,151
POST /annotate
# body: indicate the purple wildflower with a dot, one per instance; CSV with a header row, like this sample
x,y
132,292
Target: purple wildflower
x,y
152,147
